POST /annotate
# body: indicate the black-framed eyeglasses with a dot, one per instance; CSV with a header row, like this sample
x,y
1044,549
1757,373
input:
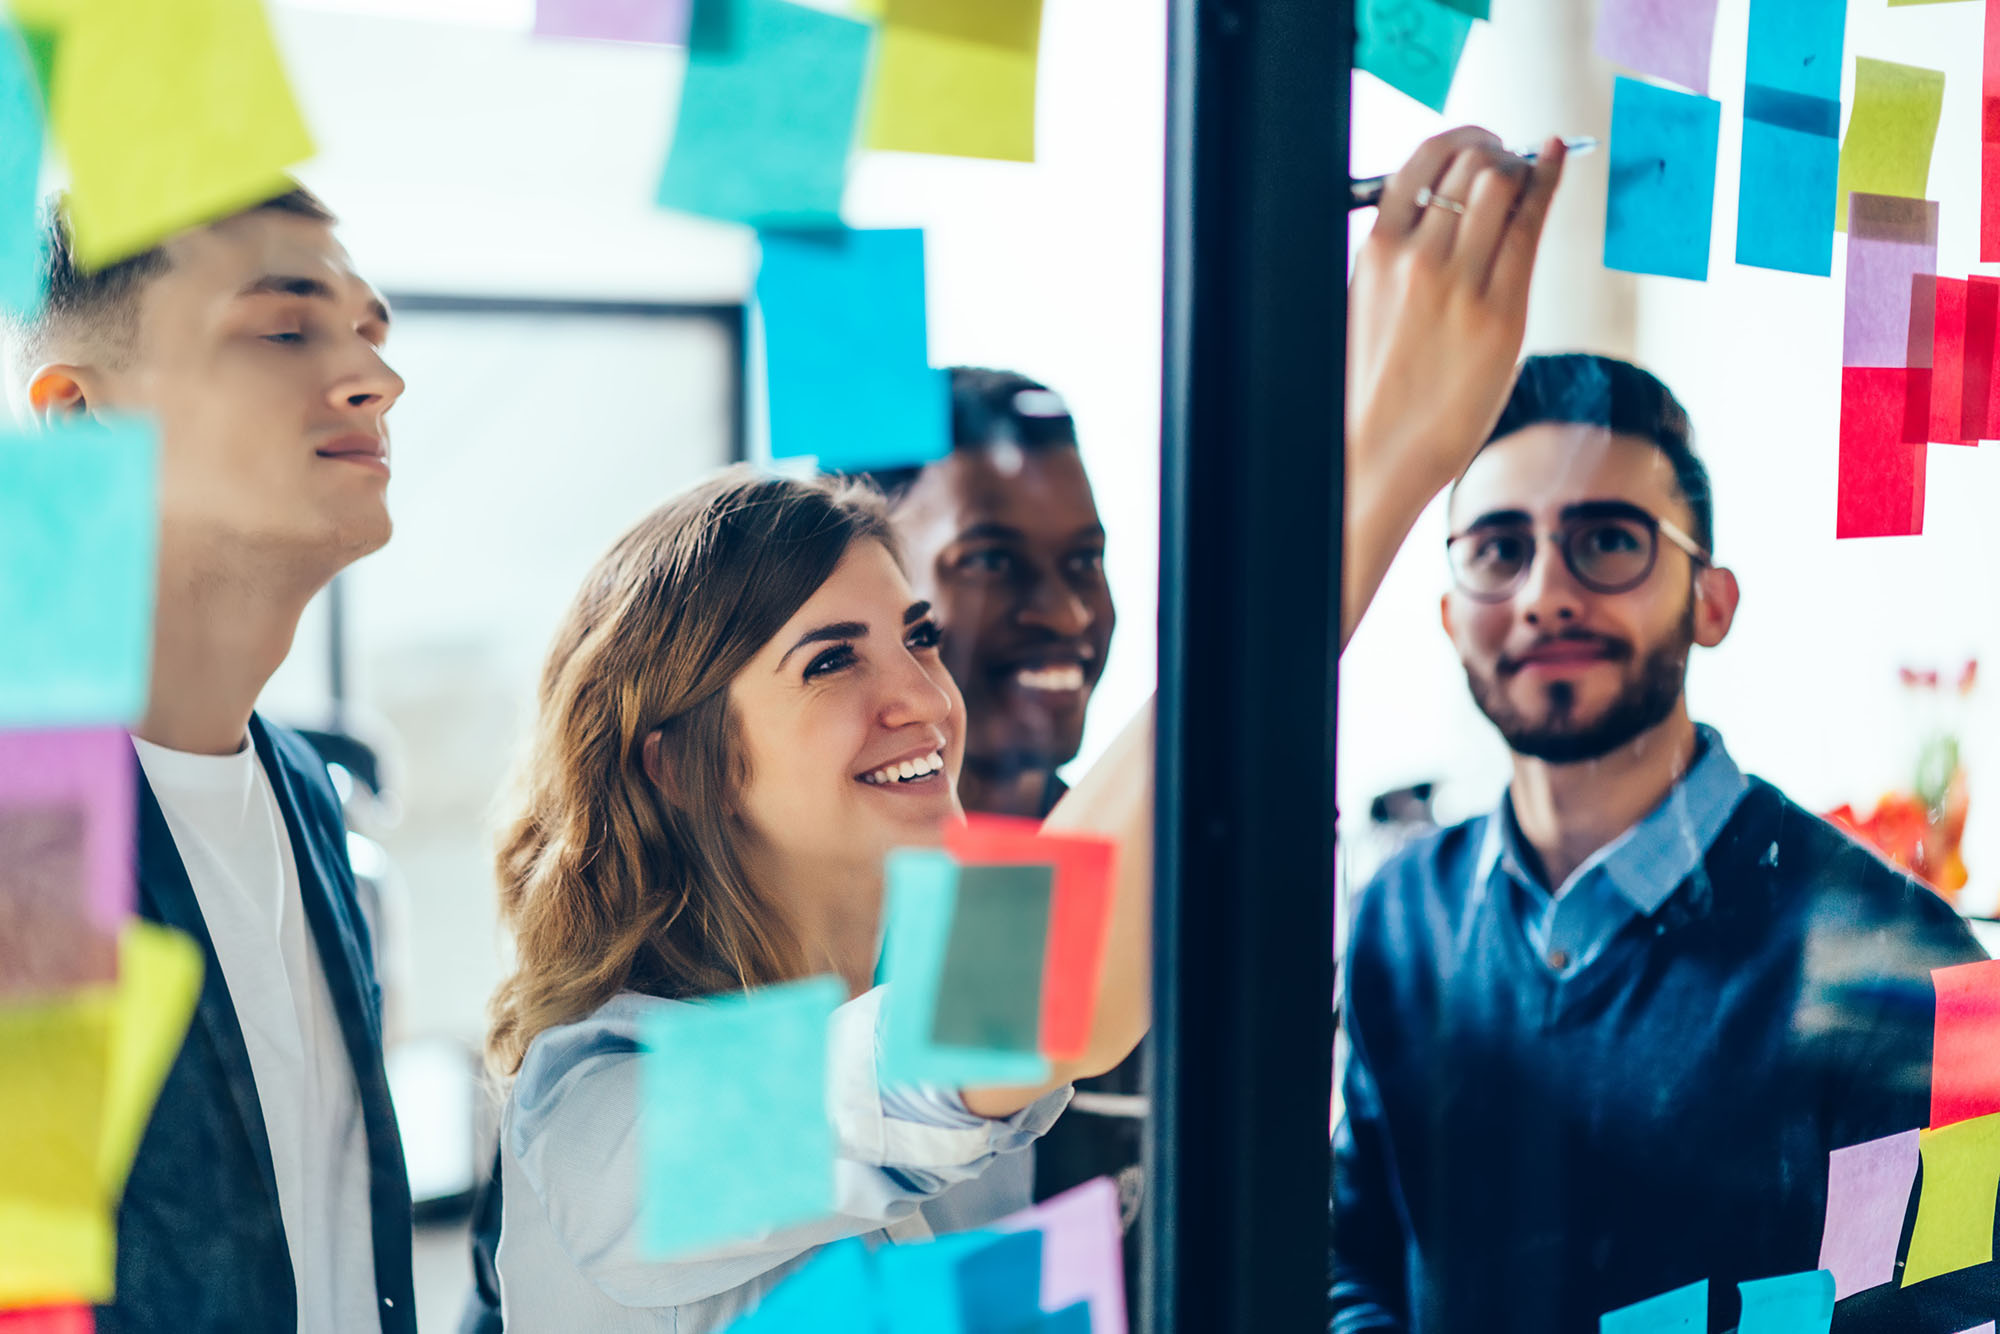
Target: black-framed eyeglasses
x,y
1608,547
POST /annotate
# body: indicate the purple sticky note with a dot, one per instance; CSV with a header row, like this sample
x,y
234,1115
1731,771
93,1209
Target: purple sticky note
x,y
1891,252
1671,39
661,21
1986,1328
1867,1196
88,770
1081,1257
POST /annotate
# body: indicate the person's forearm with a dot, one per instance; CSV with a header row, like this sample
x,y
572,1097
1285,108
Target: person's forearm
x,y
1383,505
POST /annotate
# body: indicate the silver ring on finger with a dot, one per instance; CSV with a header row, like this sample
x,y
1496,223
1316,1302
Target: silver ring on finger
x,y
1428,198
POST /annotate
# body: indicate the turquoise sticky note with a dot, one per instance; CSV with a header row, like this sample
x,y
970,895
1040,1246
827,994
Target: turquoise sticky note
x,y
1412,45
79,524
1789,1304
1784,212
922,899
1000,1284
966,1283
1662,195
735,1135
835,1292
767,118
1682,1311
991,993
21,267
846,350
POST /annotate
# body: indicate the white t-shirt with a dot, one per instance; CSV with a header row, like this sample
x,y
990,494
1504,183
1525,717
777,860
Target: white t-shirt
x,y
231,835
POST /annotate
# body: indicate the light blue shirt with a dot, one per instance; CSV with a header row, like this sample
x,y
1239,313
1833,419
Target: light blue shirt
x,y
1629,877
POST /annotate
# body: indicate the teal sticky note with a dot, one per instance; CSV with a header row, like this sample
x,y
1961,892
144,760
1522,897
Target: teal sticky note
x,y
1479,9
966,1283
79,535
1662,195
991,992
21,265
921,901
1682,1311
736,1138
835,1292
767,117
1412,45
1000,1283
1788,1304
847,350
1784,210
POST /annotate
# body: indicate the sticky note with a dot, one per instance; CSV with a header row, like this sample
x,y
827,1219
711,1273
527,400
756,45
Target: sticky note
x,y
1982,345
1947,407
1070,1320
1669,39
966,1283
159,983
1989,139
767,118
1479,9
47,943
1000,1282
1082,1257
1867,1197
1791,135
1892,242
1795,48
1880,492
1955,1208
845,323
1789,1304
1079,918
733,1115
55,1218
91,771
78,523
1412,45
1662,193
1683,1309
1965,1055
990,994
169,116
1890,132
49,1320
834,1292
956,77
921,900
21,268
1986,1328
663,21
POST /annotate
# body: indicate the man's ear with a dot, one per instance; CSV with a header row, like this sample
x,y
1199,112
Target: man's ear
x,y
1444,616
654,755
59,391
1717,595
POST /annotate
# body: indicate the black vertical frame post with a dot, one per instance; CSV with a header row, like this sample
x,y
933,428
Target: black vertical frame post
x,y
1256,251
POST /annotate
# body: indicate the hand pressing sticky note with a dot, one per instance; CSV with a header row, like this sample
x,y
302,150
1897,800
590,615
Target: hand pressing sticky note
x,y
956,77
1867,1197
1682,1311
1890,132
21,266
1412,45
1662,193
1670,39
1955,1207
735,1135
78,523
169,116
1082,1253
1789,1304
1965,1060
767,114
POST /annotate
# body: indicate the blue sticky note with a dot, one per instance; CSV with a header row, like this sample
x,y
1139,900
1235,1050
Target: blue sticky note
x,y
1073,1319
767,118
735,1136
966,1283
1682,1311
1663,148
1785,199
1797,47
1412,45
921,901
21,268
1000,1284
79,535
1789,1304
835,1292
846,350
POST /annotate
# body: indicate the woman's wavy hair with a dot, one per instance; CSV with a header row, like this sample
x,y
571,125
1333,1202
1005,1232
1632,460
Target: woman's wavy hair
x,y
610,880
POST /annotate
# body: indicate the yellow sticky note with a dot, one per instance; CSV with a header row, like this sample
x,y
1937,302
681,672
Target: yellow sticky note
x,y
1890,133
170,115
956,77
159,981
55,1221
1961,1181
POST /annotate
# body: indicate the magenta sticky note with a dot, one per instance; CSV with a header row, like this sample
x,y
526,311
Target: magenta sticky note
x,y
1671,39
1867,1197
1891,250
89,769
661,21
1082,1256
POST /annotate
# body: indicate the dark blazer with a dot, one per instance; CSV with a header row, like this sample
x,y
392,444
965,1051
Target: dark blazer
x,y
201,1243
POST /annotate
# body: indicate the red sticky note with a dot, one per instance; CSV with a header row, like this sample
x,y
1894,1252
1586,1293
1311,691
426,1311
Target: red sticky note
x,y
1079,915
1989,141
1947,414
1982,323
1965,1059
1881,488
48,1320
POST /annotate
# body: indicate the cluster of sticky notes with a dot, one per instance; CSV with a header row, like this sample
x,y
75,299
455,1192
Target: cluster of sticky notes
x,y
1788,1304
993,952
1414,46
1887,351
1052,1269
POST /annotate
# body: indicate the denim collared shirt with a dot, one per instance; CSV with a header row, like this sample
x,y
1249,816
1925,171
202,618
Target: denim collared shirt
x,y
1631,876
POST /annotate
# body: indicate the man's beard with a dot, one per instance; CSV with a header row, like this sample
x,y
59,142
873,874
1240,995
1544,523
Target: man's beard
x,y
1647,698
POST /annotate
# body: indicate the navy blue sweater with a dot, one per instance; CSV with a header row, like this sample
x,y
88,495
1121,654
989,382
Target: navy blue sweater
x,y
1522,1154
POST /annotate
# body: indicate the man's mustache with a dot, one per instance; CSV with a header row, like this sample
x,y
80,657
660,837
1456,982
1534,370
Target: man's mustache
x,y
1613,649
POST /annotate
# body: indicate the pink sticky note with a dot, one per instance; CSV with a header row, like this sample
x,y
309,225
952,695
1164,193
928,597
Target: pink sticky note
x,y
1082,1260
1948,373
1867,1196
660,21
66,855
91,768
1668,38
1965,1059
1890,317
51,1320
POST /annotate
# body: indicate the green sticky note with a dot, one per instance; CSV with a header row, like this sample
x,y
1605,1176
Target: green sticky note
x,y
1961,1186
735,1134
957,77
1890,132
21,265
78,535
170,116
767,118
1412,45
990,994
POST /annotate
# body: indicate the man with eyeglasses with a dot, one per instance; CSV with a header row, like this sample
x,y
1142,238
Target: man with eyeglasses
x,y
1603,1039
